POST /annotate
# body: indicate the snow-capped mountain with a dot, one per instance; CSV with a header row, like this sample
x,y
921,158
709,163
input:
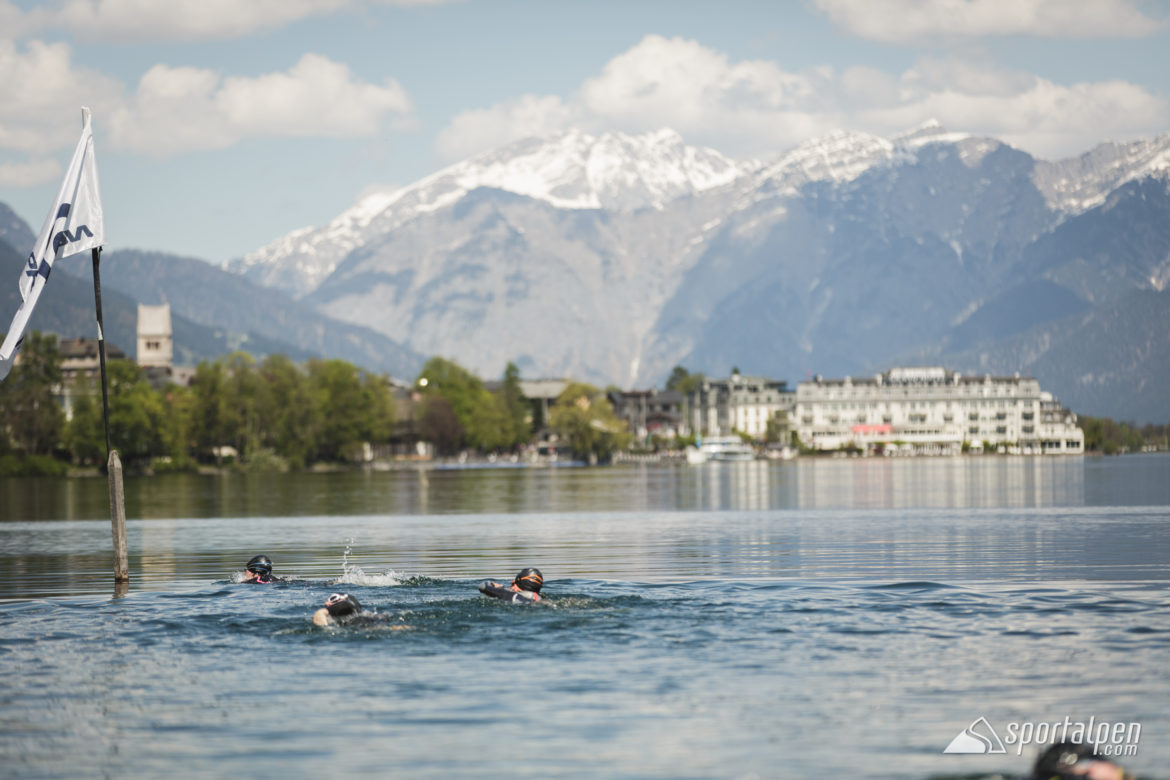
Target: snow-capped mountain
x,y
572,170
614,258
1084,182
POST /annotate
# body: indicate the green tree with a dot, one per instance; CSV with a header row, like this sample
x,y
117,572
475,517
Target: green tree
x,y
439,425
516,407
380,412
136,413
242,384
683,381
776,429
336,397
353,406
178,433
1110,437
485,421
288,416
85,435
34,418
586,420
211,424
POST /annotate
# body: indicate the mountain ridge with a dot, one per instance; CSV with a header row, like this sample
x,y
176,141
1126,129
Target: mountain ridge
x,y
614,258
837,256
572,170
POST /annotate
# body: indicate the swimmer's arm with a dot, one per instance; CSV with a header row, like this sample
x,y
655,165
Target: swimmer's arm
x,y
322,618
496,590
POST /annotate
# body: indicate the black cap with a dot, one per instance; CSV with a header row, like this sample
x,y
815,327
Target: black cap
x,y
260,565
1059,761
342,604
529,579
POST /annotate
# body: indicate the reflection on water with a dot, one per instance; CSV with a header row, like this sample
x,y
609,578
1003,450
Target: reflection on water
x,y
938,519
820,483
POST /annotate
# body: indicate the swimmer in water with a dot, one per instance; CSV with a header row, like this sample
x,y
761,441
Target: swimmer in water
x,y
344,609
525,588
259,571
337,607
1075,761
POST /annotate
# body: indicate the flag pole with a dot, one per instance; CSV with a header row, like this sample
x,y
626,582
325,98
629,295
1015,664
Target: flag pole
x,y
96,254
113,462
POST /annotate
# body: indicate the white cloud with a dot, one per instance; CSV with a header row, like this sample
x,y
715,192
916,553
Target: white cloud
x,y
317,97
29,174
1034,114
176,109
754,108
478,130
691,81
11,20
41,93
903,21
659,83
153,21
181,20
180,109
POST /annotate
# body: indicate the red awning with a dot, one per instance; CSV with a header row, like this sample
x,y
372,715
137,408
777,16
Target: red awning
x,y
870,430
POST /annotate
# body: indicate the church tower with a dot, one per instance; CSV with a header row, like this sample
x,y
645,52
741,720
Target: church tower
x,y
155,343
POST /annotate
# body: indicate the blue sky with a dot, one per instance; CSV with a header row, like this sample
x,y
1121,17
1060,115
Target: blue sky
x,y
221,125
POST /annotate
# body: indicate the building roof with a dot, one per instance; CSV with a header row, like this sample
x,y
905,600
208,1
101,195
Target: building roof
x,y
543,388
81,349
916,376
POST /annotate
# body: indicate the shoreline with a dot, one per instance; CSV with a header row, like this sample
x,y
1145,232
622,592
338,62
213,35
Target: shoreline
x,y
484,464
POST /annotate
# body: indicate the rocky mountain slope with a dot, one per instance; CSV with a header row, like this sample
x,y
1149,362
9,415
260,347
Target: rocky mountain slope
x,y
613,259
213,312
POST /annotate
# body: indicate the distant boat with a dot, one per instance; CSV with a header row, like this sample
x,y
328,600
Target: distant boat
x,y
720,448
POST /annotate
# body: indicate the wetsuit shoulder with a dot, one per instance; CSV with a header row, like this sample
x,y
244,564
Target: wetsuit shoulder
x,y
507,594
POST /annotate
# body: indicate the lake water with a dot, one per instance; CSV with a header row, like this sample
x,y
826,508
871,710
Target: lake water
x,y
814,618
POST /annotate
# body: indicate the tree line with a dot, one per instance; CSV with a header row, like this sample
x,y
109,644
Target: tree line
x,y
1111,438
273,412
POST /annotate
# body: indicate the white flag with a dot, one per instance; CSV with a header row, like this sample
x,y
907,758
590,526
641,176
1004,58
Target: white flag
x,y
74,225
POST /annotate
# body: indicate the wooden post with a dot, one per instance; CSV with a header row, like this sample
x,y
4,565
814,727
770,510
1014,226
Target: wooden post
x,y
118,518
113,462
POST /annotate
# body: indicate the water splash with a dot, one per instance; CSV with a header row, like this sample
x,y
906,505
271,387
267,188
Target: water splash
x,y
352,574
355,576
345,568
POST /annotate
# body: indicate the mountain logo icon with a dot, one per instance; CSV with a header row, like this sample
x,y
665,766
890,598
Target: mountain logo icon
x,y
979,737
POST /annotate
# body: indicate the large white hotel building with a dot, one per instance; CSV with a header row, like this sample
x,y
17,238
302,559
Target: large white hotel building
x,y
933,410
